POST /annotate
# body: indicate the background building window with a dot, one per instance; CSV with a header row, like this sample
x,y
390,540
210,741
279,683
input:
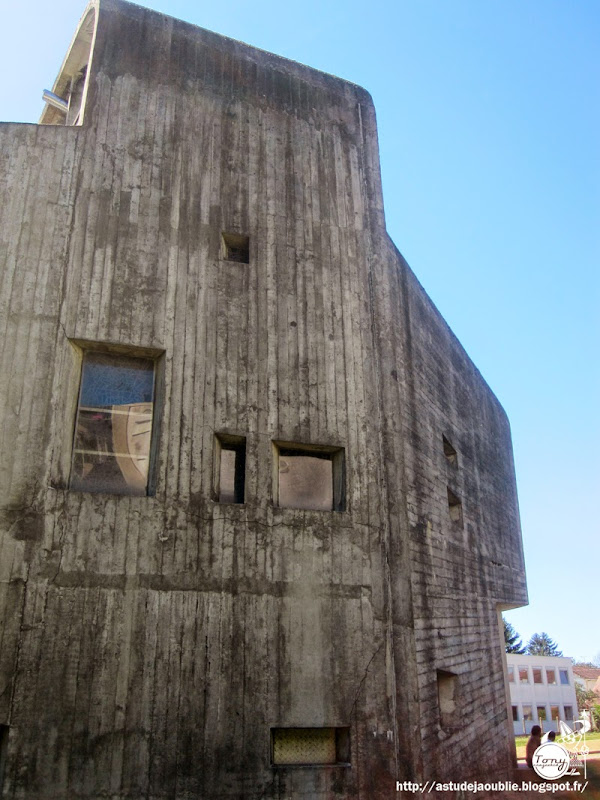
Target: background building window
x,y
551,677
515,713
511,674
568,713
310,477
113,430
527,713
537,675
554,713
564,676
541,712
523,675
310,746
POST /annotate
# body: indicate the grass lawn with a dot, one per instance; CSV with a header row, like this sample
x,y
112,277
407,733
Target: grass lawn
x,y
521,742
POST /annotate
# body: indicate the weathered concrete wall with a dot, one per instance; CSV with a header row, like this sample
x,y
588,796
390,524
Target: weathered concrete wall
x,y
147,644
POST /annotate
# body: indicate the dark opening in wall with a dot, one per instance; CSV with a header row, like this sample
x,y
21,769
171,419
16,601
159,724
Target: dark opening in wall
x,y
230,468
236,248
447,686
455,508
309,477
449,451
3,754
310,746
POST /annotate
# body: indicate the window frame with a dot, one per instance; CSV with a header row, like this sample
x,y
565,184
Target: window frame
x,y
526,670
82,347
563,673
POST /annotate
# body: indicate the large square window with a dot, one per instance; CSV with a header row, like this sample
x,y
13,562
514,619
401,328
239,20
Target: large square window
x,y
113,432
309,477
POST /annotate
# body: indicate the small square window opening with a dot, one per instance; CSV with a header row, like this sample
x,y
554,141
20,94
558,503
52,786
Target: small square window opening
x,y
309,477
230,468
550,676
537,675
310,746
112,446
568,713
235,247
541,712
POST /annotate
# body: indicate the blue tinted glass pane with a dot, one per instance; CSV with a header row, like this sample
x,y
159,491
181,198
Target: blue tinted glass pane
x,y
111,380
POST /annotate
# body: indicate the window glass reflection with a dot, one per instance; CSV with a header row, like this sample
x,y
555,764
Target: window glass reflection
x,y
111,451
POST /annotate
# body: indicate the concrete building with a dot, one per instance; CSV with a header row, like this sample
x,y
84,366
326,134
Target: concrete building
x,y
259,512
542,692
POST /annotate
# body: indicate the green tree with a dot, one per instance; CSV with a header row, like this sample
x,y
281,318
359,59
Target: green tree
x,y
541,644
585,697
512,640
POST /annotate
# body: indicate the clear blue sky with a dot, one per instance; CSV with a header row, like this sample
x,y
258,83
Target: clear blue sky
x,y
489,128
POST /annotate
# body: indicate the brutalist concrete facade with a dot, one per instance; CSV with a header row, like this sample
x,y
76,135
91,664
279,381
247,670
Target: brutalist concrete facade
x,y
151,644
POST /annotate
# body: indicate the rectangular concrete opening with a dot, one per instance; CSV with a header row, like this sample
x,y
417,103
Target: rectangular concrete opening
x,y
455,508
310,746
236,247
309,477
447,685
230,468
449,451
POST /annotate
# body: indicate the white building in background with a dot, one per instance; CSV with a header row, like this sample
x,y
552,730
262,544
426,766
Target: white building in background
x,y
542,692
